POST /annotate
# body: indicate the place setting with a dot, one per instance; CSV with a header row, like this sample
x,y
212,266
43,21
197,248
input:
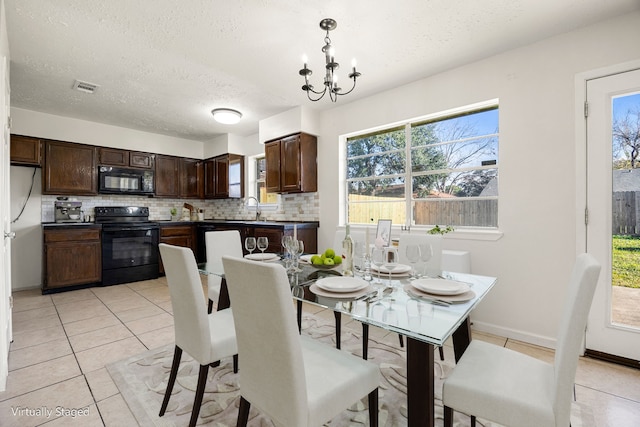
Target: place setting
x,y
261,243
342,287
440,290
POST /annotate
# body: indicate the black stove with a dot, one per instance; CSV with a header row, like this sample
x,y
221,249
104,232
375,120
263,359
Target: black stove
x,y
121,214
129,244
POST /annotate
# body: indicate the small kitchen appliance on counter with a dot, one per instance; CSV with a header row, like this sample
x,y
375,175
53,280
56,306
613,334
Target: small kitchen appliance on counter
x,y
66,211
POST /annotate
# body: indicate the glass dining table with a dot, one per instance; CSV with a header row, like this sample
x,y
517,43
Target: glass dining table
x,y
397,306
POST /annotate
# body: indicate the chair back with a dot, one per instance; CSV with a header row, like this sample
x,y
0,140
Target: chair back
x,y
582,286
219,244
434,265
272,376
190,320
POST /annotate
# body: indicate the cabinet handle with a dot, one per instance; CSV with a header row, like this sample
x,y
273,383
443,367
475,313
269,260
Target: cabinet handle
x,y
10,235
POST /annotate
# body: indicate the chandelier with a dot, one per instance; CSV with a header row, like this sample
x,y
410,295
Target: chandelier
x,y
330,78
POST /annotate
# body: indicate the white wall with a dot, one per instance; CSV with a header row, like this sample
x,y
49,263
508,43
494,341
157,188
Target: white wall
x,y
537,206
26,248
33,123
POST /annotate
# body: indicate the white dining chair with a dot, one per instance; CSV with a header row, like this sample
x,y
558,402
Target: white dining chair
x,y
218,244
513,389
208,338
293,379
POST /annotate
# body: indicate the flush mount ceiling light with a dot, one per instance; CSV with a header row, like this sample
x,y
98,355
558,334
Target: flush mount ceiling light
x,y
226,116
330,78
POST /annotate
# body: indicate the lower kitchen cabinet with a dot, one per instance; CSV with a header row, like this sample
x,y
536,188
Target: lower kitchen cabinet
x,y
72,257
177,235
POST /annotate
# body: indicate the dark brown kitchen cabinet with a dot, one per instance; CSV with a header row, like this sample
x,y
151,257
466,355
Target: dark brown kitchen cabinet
x,y
292,164
224,177
178,235
274,235
69,169
125,158
26,151
178,177
191,173
167,181
71,257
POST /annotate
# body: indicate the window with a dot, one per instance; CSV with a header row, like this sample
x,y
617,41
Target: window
x,y
441,170
261,187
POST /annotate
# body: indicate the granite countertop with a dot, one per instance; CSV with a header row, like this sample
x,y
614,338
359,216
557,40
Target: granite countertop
x,y
245,222
70,224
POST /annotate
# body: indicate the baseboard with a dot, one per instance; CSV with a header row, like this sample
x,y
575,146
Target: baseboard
x,y
514,334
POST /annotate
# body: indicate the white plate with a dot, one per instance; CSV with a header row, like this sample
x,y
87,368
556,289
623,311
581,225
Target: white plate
x,y
440,286
400,269
306,258
262,257
341,284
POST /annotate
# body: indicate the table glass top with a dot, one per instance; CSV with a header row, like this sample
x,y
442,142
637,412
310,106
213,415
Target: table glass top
x,y
394,305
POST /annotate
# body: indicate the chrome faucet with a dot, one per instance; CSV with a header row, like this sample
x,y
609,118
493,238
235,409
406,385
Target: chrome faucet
x,y
258,211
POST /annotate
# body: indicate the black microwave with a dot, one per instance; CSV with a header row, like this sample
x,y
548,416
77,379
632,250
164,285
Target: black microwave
x,y
125,181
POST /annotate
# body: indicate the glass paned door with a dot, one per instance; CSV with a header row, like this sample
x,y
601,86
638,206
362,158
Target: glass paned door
x,y
613,198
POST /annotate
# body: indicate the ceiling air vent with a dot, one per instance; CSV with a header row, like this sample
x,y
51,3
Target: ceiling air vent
x,y
85,86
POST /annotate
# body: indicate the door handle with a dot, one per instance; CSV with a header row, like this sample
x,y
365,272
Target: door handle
x,y
10,235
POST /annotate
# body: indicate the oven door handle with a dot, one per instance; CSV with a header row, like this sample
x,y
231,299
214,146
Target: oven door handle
x,y
112,230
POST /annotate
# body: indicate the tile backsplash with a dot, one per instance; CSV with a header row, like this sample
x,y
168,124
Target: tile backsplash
x,y
292,207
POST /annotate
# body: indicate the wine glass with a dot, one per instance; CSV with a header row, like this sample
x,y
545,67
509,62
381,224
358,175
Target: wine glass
x,y
299,244
413,255
286,243
391,259
250,244
263,244
426,252
377,259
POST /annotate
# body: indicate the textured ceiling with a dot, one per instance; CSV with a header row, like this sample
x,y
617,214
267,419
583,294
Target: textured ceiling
x,y
163,65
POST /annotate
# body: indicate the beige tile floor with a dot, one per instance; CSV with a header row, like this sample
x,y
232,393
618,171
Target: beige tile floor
x,y
63,342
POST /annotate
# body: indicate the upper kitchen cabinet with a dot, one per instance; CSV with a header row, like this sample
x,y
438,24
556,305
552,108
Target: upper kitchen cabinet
x,y
69,168
26,151
178,177
125,158
291,164
191,174
167,182
224,177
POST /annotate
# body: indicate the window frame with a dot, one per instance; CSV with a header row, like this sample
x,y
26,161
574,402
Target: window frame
x,y
489,232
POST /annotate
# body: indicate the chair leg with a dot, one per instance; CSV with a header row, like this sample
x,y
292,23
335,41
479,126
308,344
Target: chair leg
x,y
373,408
202,382
243,412
177,355
338,317
441,351
365,341
473,421
210,307
401,339
448,417
235,363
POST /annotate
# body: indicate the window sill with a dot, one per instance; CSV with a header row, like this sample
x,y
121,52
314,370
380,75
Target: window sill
x,y
475,234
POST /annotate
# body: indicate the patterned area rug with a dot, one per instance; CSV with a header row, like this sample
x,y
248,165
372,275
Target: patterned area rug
x,y
142,380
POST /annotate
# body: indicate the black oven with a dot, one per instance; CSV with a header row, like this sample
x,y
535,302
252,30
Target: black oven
x,y
129,244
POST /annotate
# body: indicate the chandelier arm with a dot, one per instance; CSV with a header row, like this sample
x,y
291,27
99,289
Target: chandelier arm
x,y
350,90
317,93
